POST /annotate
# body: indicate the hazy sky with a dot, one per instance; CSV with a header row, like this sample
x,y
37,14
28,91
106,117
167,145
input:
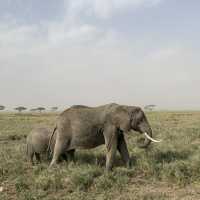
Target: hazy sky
x,y
65,52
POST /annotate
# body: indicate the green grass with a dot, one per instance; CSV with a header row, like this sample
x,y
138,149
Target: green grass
x,y
168,170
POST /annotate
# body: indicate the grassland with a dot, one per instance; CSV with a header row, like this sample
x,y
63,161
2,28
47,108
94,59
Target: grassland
x,y
168,170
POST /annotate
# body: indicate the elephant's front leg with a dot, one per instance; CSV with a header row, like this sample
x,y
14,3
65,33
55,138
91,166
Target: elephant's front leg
x,y
123,150
110,136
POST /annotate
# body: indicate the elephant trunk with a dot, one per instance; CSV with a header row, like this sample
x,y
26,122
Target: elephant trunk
x,y
148,139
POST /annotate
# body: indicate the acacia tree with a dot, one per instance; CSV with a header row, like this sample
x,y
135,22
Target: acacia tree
x,y
20,109
41,109
54,108
149,107
2,107
33,109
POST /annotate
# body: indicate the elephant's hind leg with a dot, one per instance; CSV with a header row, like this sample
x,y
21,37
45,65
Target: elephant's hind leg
x,y
110,137
123,150
37,156
60,147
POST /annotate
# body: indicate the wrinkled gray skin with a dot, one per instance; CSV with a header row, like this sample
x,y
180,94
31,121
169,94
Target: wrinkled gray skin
x,y
88,127
37,144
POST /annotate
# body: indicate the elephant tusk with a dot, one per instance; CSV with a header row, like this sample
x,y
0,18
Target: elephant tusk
x,y
150,138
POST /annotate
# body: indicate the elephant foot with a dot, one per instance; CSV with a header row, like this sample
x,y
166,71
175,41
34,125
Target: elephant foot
x,y
129,164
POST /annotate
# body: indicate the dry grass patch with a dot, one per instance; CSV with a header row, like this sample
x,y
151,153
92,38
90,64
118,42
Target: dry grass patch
x,y
169,170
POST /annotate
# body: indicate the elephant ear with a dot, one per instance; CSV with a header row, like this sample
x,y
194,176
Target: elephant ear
x,y
121,118
136,116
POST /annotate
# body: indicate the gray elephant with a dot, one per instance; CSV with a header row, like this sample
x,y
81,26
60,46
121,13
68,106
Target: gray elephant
x,y
88,127
38,143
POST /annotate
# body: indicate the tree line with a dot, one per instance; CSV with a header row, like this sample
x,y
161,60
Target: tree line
x,y
22,108
150,107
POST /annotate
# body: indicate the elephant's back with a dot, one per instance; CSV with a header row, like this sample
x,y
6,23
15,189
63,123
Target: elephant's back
x,y
78,117
76,111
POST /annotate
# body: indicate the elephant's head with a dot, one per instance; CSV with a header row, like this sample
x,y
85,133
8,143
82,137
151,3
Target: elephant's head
x,y
129,118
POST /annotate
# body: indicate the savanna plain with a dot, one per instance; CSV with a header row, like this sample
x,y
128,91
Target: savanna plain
x,y
166,170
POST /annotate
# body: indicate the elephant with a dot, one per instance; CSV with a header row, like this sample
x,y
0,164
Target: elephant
x,y
38,143
88,127
79,106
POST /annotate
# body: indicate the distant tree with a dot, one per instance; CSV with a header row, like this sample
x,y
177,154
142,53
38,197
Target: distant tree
x,y
20,109
54,108
33,109
2,107
41,109
149,107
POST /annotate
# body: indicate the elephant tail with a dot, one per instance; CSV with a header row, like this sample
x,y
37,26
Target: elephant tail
x,y
49,150
29,150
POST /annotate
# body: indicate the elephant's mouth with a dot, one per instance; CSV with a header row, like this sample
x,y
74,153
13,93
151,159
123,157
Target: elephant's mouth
x,y
150,138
